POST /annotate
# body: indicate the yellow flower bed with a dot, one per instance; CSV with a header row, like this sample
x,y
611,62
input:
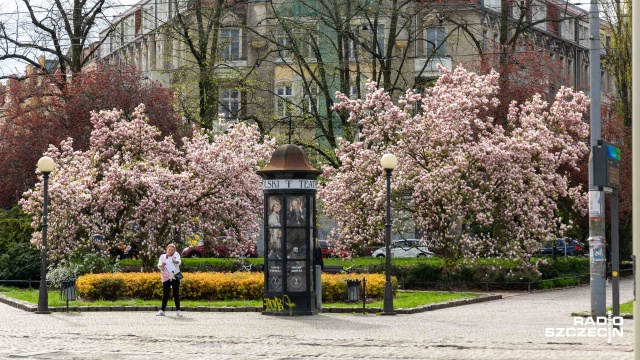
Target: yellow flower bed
x,y
334,286
210,286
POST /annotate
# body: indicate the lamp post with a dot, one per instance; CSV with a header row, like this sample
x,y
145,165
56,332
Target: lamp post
x,y
388,162
45,165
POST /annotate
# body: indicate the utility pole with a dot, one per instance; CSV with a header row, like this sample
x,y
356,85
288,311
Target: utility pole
x,y
597,239
635,97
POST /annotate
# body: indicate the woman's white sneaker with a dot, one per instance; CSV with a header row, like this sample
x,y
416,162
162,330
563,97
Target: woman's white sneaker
x,y
179,313
160,313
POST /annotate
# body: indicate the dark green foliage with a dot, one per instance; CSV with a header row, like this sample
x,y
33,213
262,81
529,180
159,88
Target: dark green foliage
x,y
198,265
20,262
15,227
565,266
425,271
432,274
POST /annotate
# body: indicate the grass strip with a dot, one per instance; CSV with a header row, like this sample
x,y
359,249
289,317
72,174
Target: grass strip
x,y
402,299
625,308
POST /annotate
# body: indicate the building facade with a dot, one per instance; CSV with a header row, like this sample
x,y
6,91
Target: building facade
x,y
284,60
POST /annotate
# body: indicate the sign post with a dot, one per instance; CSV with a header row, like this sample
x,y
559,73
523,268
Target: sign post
x,y
606,177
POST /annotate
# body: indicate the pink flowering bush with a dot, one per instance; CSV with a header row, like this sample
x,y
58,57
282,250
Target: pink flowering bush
x,y
476,188
135,187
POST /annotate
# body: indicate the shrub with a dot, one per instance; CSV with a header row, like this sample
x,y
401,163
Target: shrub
x,y
209,286
15,227
334,287
82,263
564,266
57,274
20,262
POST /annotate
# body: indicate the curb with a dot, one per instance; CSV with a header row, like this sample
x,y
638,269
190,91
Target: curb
x,y
23,305
584,314
419,309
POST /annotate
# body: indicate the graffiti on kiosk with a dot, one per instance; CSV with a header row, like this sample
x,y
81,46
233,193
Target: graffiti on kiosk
x,y
276,304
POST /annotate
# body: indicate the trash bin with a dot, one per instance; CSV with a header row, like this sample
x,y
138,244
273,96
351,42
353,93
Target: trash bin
x,y
353,290
68,291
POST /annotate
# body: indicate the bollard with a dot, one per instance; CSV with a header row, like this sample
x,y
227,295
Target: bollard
x,y
364,295
319,288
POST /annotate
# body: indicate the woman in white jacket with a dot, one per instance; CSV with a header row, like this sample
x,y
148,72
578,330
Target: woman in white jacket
x,y
169,265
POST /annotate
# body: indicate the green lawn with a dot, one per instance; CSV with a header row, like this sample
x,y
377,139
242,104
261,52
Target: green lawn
x,y
402,300
412,299
625,308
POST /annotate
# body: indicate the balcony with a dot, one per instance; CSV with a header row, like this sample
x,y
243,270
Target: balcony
x,y
431,68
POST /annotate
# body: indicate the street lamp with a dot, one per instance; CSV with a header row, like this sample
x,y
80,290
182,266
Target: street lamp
x,y
388,162
45,165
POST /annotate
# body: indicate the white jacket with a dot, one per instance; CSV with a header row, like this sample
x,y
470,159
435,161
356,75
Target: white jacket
x,y
170,270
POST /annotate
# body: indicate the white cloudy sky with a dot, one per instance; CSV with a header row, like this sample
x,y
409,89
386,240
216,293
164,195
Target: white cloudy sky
x,y
9,6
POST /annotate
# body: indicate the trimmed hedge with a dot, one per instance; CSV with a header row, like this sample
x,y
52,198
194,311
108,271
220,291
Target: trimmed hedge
x,y
210,286
334,286
565,271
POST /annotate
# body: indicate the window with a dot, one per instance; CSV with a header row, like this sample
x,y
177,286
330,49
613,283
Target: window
x,y
351,49
311,99
230,39
283,46
568,29
539,13
307,46
585,76
229,103
130,28
113,41
492,4
485,40
435,41
284,92
163,10
583,35
148,20
353,91
120,30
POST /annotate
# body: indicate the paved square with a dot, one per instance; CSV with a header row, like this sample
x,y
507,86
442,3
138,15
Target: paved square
x,y
511,328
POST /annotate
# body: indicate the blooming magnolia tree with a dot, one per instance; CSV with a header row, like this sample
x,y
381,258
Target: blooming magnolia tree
x,y
38,113
133,186
477,188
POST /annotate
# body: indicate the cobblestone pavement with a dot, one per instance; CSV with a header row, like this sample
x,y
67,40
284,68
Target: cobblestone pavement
x,y
511,328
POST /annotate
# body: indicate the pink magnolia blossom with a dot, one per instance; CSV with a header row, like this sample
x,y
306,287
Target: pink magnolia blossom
x,y
135,187
476,188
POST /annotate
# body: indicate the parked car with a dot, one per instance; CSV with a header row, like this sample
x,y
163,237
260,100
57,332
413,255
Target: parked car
x,y
564,246
326,247
405,249
201,250
330,250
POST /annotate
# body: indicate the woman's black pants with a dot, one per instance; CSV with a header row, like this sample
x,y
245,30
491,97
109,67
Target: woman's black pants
x,y
175,284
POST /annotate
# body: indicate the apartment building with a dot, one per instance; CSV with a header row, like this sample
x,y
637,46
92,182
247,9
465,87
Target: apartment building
x,y
401,47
